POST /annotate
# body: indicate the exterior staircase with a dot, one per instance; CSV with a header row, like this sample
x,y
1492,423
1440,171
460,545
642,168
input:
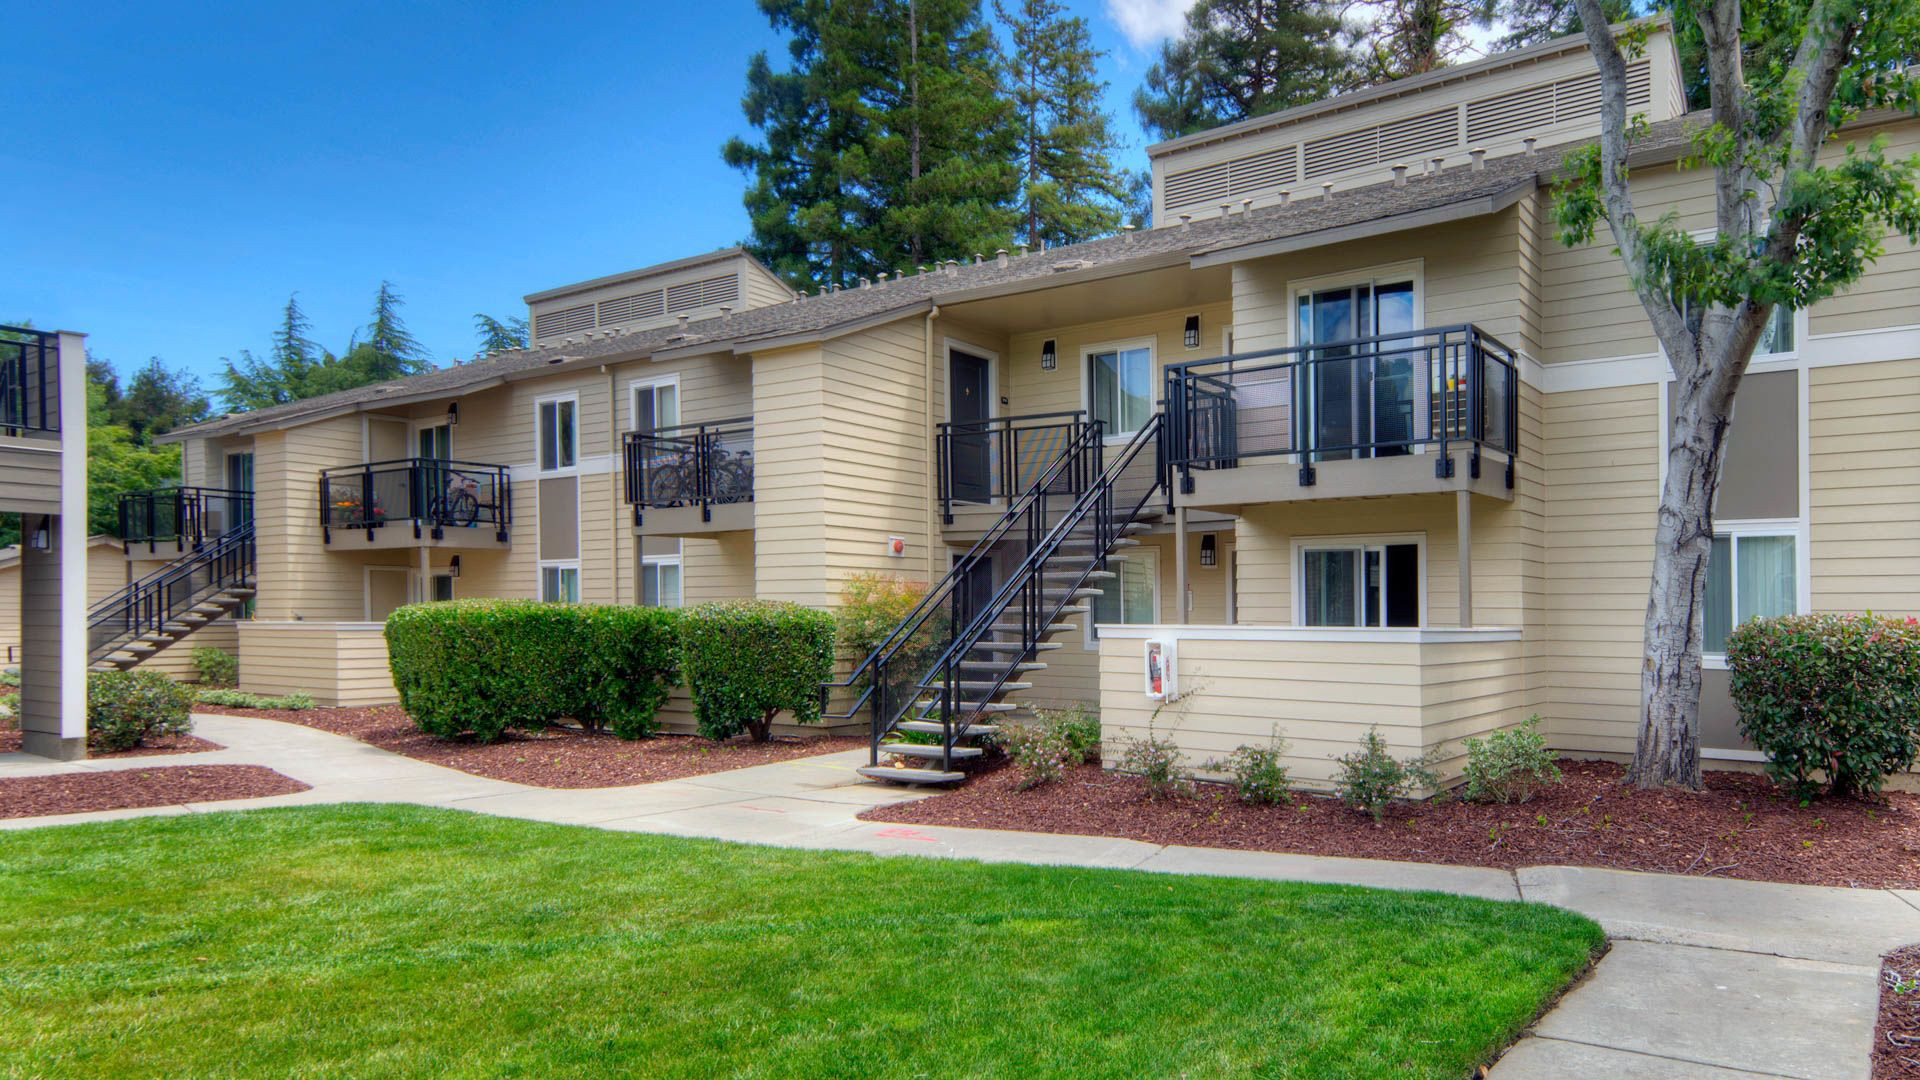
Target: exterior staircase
x,y
151,614
935,687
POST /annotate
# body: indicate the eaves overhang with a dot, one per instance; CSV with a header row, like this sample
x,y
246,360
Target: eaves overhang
x,y
1479,206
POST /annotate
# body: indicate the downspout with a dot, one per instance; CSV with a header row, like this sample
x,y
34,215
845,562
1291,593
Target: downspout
x,y
613,469
933,497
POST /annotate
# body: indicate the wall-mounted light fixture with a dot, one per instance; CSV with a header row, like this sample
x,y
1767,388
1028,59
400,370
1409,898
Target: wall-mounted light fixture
x,y
1209,549
1049,356
1193,331
453,413
42,535
453,566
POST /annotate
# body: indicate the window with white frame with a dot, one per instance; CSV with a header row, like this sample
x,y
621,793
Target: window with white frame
x,y
558,431
1782,335
1752,573
560,583
1120,387
660,581
1134,595
1359,583
655,405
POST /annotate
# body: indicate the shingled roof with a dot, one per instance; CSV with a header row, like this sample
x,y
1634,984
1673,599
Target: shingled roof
x,y
1381,205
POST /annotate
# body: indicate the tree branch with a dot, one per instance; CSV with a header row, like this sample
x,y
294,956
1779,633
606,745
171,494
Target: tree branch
x,y
1615,195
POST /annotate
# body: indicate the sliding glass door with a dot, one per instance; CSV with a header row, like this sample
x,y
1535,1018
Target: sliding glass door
x,y
1357,401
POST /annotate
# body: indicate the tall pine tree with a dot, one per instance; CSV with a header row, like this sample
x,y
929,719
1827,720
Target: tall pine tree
x,y
1242,58
1412,37
1069,188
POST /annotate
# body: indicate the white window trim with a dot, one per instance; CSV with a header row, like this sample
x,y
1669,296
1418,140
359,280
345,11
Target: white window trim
x,y
415,427
949,345
1297,573
540,582
664,560
1763,527
634,386
578,440
1143,553
1087,352
1800,326
1414,270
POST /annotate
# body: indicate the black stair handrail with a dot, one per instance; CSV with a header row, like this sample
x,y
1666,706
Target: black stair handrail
x,y
1027,584
1002,438
1081,456
149,604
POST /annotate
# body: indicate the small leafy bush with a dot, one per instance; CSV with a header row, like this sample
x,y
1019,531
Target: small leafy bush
x,y
1159,762
871,605
746,661
1058,741
1370,778
1833,695
485,666
1259,772
217,667
126,708
240,699
10,677
1509,766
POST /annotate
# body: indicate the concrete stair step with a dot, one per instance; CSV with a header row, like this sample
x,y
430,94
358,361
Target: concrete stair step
x,y
918,750
997,666
969,706
1011,646
888,774
987,684
1015,628
934,727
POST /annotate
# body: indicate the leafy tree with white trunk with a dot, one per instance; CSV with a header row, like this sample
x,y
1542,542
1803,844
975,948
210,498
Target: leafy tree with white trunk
x,y
1797,218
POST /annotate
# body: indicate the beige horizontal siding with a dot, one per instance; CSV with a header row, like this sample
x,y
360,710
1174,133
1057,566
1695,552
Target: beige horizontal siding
x,y
344,665
1864,481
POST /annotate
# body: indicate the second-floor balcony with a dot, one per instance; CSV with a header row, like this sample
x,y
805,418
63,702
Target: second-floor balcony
x,y
410,502
29,382
690,479
167,522
1427,410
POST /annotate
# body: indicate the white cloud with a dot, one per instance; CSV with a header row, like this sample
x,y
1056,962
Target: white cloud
x,y
1148,22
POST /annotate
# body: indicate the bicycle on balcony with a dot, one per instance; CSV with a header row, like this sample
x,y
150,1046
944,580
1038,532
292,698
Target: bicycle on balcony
x,y
674,478
459,502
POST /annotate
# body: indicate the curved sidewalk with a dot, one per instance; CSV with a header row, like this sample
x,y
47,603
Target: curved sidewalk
x,y
1707,978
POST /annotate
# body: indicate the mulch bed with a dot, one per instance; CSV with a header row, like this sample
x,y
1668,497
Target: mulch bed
x,y
1741,827
557,758
73,793
174,744
1896,1042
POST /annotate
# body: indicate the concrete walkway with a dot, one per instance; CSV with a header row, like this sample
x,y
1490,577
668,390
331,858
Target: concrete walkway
x,y
1707,978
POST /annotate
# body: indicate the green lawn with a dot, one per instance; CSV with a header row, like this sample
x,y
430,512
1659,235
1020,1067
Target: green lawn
x,y
385,941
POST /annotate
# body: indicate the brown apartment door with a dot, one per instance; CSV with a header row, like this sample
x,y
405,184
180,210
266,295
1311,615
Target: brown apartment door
x,y
969,449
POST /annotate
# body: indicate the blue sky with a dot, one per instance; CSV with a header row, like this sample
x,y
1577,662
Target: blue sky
x,y
172,172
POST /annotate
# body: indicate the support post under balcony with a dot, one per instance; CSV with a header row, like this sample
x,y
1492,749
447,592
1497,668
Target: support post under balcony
x,y
1180,565
1463,530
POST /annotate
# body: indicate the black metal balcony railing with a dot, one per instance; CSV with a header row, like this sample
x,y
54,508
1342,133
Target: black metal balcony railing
x,y
703,465
1365,398
982,461
429,494
184,517
29,381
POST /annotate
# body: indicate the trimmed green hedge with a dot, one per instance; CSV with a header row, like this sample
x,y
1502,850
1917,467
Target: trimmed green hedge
x,y
1837,695
746,661
484,666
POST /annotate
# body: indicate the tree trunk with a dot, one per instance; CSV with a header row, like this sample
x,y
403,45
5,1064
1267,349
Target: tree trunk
x,y
761,730
1667,753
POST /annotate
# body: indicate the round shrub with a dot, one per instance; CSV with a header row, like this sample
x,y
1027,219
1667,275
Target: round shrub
x,y
126,708
481,667
217,667
746,661
1830,695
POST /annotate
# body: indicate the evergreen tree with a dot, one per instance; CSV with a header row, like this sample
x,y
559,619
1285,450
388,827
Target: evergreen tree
x,y
393,350
806,199
1242,58
497,336
1529,22
158,400
1412,37
1069,188
943,181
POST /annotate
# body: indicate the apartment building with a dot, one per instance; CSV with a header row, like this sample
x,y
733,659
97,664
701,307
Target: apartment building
x,y
1347,439
43,479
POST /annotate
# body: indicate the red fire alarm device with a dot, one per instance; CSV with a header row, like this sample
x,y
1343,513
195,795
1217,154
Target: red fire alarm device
x,y
897,546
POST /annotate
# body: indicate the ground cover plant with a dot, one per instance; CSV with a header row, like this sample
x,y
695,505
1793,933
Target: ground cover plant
x,y
385,940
